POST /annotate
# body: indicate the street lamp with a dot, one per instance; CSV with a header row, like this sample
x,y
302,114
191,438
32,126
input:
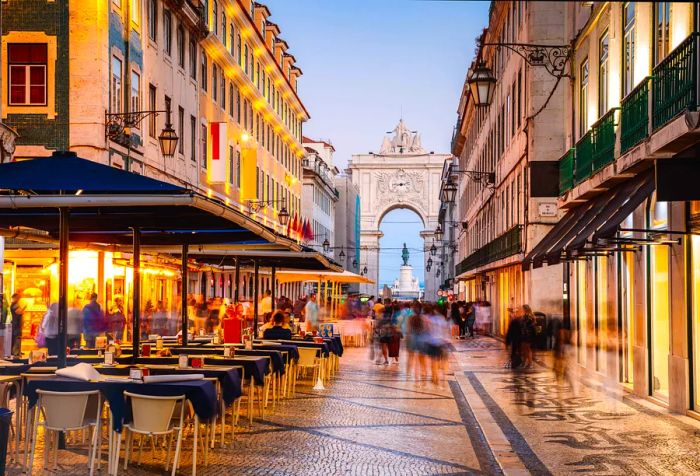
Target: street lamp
x,y
168,138
433,250
438,233
427,268
283,216
482,85
341,255
118,128
430,262
326,245
364,270
354,264
449,191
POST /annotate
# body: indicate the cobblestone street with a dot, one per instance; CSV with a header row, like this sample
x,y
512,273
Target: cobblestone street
x,y
484,420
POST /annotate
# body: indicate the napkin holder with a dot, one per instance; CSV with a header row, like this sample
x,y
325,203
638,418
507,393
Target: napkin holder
x,y
37,356
136,373
182,361
109,358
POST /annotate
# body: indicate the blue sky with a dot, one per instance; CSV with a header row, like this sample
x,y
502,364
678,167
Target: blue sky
x,y
368,62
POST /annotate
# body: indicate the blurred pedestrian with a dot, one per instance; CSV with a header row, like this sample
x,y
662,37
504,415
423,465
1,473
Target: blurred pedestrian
x,y
93,321
17,308
514,340
528,325
49,328
470,319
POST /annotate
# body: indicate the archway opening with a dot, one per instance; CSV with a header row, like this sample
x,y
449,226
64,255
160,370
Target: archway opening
x,y
399,226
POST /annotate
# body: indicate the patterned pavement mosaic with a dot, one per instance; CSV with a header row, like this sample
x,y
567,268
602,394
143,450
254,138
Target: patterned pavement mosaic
x,y
369,421
485,419
555,427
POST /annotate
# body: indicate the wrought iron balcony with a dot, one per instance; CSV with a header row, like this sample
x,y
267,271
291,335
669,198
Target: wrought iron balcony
x,y
508,244
674,82
634,116
566,171
604,139
584,157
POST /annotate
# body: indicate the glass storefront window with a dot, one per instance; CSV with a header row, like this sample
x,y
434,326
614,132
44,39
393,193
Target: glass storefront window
x,y
695,244
659,338
627,317
660,322
581,312
602,346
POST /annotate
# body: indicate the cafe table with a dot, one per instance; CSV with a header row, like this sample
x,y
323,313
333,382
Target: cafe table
x,y
255,367
200,393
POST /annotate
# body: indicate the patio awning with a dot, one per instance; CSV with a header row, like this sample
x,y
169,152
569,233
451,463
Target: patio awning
x,y
599,218
106,204
342,277
225,255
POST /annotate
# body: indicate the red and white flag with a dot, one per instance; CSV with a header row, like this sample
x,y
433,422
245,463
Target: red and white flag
x,y
216,152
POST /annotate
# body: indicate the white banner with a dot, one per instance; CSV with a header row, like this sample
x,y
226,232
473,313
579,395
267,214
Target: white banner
x,y
216,152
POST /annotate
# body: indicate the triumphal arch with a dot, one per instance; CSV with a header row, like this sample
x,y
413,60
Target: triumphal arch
x,y
401,175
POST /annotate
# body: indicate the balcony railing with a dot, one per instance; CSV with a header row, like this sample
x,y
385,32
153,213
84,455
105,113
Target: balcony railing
x,y
634,116
584,157
604,140
566,171
508,244
674,82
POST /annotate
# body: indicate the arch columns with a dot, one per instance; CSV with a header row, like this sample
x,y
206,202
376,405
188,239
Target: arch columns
x,y
369,251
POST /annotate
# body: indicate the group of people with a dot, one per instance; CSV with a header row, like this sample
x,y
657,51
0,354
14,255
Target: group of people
x,y
87,323
426,329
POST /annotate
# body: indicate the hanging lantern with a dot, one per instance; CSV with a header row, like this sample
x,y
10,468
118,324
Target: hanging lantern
x,y
482,85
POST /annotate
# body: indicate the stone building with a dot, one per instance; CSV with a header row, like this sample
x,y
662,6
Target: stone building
x,y
628,176
500,151
319,196
347,226
77,70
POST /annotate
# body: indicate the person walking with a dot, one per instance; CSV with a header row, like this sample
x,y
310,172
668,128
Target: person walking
x,y
514,340
528,335
49,327
311,313
74,325
470,319
17,308
93,321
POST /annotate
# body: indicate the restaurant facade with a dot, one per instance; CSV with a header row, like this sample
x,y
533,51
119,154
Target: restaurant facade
x,y
627,237
217,73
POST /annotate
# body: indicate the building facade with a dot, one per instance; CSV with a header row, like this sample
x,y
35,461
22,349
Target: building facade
x,y
504,145
347,225
448,220
628,239
319,195
88,76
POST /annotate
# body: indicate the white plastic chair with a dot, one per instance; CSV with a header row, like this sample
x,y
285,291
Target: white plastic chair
x,y
153,416
66,411
307,360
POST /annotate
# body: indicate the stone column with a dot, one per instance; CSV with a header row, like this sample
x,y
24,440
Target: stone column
x,y
369,256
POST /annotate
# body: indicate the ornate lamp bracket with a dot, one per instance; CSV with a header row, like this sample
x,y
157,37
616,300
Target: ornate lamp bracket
x,y
552,57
